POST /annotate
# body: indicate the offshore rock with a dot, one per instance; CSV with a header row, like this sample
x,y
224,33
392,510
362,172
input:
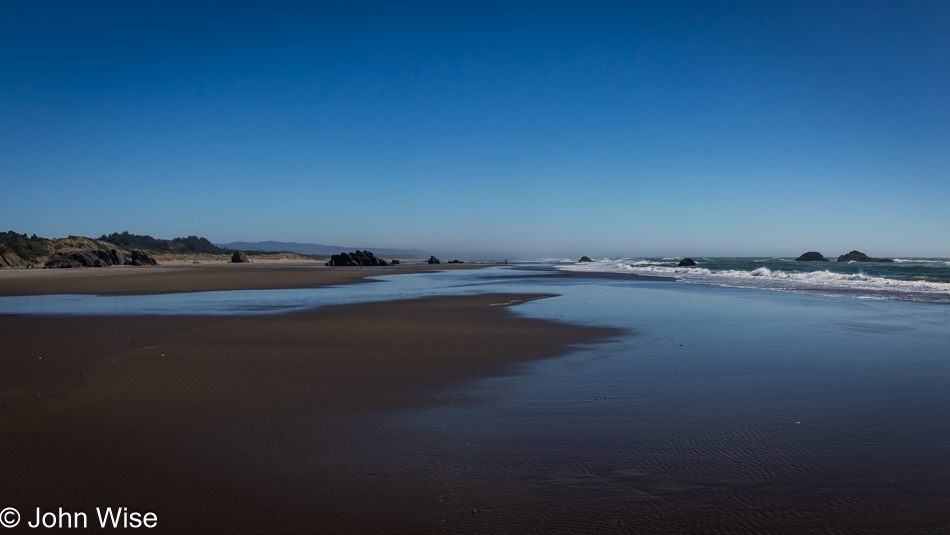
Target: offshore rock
x,y
394,262
357,258
811,256
858,256
433,260
239,257
455,262
687,262
585,259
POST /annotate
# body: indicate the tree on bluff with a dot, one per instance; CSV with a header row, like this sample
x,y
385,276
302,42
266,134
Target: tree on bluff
x,y
191,244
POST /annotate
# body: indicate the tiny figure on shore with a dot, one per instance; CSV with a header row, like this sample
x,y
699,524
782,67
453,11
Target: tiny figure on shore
x,y
506,261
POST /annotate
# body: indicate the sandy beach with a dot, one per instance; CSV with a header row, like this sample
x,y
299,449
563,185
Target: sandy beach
x,y
205,420
178,277
504,400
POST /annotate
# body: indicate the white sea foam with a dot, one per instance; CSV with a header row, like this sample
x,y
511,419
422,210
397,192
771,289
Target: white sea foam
x,y
921,261
822,282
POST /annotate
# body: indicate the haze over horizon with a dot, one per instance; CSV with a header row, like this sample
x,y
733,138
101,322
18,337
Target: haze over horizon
x,y
528,129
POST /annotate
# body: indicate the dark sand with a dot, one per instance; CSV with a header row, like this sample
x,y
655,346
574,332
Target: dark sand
x,y
234,425
180,277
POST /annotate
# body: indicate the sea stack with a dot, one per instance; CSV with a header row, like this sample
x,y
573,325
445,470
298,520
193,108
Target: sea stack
x,y
811,256
434,260
585,259
858,256
686,262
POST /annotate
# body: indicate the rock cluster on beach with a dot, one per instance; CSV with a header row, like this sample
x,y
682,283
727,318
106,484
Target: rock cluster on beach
x,y
12,260
100,258
686,262
858,256
811,256
434,260
357,258
456,261
239,257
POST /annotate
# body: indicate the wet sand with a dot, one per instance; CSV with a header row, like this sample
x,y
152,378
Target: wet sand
x,y
704,410
238,425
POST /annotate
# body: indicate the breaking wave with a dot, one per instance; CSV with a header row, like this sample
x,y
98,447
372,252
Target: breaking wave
x,y
911,281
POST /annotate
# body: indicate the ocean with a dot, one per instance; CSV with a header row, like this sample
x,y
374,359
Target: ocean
x,y
906,279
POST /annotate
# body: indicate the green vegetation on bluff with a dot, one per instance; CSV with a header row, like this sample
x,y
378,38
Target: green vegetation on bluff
x,y
37,250
191,244
29,248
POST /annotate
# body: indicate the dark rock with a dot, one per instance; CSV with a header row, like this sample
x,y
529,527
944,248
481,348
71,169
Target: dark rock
x,y
811,256
118,257
858,256
111,257
90,258
357,258
99,258
240,257
75,259
585,259
455,262
687,262
394,262
62,260
434,260
12,260
140,258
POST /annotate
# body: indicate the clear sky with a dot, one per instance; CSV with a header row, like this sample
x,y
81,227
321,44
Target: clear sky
x,y
520,129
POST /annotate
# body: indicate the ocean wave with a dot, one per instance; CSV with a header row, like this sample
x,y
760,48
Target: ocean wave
x,y
942,261
539,260
823,282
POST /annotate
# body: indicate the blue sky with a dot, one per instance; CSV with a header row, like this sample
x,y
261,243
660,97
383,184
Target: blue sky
x,y
520,129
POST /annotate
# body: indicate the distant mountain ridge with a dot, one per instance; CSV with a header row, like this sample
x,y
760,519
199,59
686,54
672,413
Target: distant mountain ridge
x,y
317,248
